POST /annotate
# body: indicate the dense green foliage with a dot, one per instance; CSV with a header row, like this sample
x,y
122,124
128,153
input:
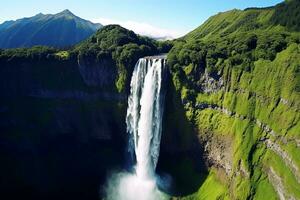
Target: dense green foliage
x,y
227,39
122,47
288,14
36,52
117,46
238,78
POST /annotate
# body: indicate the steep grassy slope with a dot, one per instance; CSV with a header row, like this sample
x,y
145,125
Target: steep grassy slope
x,y
238,78
284,16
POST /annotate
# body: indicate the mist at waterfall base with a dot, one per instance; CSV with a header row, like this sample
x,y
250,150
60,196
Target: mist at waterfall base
x,y
144,126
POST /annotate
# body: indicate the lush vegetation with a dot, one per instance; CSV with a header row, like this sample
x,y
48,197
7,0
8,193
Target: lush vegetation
x,y
123,48
120,46
113,44
212,188
238,79
287,14
37,52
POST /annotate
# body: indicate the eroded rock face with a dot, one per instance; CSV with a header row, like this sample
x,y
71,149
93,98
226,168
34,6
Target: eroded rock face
x,y
62,126
97,73
50,87
211,84
219,152
69,119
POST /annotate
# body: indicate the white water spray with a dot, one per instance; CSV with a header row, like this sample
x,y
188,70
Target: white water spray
x,y
144,123
144,114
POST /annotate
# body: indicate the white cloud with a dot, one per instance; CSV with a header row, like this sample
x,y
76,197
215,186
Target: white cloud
x,y
142,28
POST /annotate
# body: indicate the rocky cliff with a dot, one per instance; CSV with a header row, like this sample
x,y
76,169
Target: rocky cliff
x,y
59,133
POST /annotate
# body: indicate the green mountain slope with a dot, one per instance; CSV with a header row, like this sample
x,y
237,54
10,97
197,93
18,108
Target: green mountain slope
x,y
238,78
282,17
59,30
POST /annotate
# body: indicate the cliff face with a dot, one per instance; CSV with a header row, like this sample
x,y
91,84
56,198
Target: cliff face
x,y
248,132
97,73
239,86
59,133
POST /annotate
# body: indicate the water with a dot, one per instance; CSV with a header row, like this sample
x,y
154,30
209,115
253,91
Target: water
x,y
144,124
144,114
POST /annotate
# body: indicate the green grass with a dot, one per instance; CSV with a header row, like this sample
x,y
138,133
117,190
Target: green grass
x,y
257,94
264,190
293,151
211,189
290,183
64,55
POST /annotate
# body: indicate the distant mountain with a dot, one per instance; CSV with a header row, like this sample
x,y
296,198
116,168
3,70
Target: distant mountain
x,y
57,30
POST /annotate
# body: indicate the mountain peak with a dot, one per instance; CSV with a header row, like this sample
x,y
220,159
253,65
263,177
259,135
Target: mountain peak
x,y
49,27
39,15
67,12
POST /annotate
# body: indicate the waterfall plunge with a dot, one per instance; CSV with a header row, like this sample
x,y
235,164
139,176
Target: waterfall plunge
x,y
144,120
144,114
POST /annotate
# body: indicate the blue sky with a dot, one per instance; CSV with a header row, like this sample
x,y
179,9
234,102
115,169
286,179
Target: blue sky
x,y
160,17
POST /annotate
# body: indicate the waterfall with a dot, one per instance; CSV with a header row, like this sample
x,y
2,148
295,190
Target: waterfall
x,y
144,121
144,113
